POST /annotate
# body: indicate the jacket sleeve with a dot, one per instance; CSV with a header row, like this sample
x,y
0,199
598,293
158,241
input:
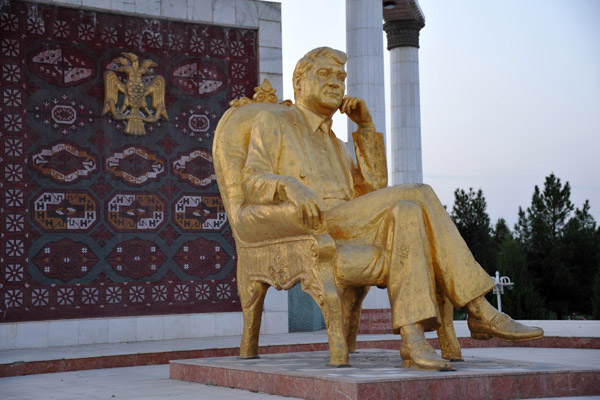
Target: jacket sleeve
x,y
370,173
259,180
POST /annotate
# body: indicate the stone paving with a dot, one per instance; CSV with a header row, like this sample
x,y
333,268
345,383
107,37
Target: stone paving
x,y
132,383
152,382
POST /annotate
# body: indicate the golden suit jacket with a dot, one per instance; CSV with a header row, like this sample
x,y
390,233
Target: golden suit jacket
x,y
279,149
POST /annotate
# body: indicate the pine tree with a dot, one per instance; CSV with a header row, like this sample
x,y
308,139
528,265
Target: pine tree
x,y
501,231
596,297
563,251
580,250
524,300
470,216
547,214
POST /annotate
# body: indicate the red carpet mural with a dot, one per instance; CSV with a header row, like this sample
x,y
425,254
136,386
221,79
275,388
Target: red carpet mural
x,y
115,214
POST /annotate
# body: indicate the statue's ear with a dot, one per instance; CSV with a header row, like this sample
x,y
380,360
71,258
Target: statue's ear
x,y
298,82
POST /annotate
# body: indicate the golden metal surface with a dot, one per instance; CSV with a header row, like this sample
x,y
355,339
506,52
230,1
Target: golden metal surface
x,y
134,108
303,210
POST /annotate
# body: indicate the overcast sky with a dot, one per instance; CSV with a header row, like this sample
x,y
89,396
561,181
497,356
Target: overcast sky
x,y
510,92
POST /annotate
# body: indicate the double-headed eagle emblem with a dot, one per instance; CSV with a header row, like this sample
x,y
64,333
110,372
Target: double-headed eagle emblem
x,y
140,103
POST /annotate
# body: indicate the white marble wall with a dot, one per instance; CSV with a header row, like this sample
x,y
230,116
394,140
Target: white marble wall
x,y
407,166
364,47
265,16
19,335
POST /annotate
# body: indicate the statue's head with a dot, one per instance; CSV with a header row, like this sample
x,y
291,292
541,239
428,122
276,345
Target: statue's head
x,y
319,80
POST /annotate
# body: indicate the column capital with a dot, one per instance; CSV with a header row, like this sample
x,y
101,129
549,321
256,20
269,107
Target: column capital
x,y
403,33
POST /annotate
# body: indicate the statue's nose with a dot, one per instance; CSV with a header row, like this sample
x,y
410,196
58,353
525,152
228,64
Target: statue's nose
x,y
335,82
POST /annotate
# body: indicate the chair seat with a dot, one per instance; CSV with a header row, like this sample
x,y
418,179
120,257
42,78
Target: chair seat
x,y
279,263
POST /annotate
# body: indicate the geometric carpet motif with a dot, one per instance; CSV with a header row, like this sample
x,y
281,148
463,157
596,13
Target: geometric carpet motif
x,y
93,222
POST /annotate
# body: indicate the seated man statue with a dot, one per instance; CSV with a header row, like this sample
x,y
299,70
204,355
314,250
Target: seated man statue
x,y
398,237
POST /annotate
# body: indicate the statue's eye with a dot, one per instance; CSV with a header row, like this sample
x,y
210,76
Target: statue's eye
x,y
322,73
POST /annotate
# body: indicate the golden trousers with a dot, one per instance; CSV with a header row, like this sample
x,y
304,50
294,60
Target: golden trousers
x,y
402,238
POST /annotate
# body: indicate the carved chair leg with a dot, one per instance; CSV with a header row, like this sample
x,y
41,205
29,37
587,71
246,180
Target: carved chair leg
x,y
252,296
446,334
352,303
322,287
332,313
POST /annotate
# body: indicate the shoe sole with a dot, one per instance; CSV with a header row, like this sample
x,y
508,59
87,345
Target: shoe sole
x,y
413,365
487,336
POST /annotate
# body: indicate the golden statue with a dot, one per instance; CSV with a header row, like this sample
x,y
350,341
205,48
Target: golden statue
x,y
134,94
303,210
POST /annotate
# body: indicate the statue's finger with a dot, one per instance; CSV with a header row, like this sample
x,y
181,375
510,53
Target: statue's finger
x,y
302,215
314,216
305,217
344,106
347,108
321,215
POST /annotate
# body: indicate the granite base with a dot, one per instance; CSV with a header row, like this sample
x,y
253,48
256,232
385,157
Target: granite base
x,y
377,374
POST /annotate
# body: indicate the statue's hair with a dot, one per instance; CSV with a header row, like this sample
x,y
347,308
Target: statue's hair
x,y
308,61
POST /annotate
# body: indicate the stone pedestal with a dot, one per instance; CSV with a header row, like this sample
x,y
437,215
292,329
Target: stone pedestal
x,y
378,374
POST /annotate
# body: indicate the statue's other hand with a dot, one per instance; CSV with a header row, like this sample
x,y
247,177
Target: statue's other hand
x,y
308,204
358,112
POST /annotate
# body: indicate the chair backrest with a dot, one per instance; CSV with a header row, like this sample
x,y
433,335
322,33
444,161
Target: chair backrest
x,y
230,146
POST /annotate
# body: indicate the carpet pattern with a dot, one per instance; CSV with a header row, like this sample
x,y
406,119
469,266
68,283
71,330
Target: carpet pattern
x,y
95,222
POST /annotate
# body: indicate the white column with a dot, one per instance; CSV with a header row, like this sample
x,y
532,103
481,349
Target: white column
x,y
403,44
407,166
364,47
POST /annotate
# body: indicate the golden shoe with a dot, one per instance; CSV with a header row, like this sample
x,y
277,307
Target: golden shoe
x,y
421,355
503,327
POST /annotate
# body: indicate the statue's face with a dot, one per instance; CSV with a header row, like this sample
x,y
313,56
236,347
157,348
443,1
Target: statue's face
x,y
323,86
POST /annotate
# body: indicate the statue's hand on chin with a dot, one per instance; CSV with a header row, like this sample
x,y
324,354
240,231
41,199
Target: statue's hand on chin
x,y
358,112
